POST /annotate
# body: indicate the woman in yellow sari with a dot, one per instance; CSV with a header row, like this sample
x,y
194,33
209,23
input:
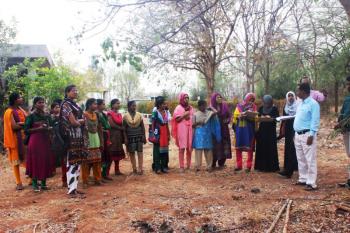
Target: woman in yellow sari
x,y
14,118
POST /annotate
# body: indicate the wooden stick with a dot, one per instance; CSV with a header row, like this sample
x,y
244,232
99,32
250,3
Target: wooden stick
x,y
342,207
287,217
277,217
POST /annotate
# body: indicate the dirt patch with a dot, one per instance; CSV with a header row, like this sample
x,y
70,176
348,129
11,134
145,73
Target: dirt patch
x,y
221,201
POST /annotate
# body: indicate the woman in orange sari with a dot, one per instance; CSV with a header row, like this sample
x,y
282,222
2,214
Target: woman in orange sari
x,y
14,118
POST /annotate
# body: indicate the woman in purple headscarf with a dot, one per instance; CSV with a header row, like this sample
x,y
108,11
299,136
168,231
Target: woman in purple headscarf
x,y
222,150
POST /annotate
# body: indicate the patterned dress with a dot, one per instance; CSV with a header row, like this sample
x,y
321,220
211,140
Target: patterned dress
x,y
74,140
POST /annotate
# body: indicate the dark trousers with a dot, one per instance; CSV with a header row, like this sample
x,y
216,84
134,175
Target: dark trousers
x,y
290,157
160,160
220,162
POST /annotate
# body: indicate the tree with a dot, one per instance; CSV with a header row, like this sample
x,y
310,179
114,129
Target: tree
x,y
7,34
346,5
31,79
193,35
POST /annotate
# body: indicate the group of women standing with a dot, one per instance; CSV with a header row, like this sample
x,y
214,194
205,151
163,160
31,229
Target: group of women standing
x,y
254,131
80,140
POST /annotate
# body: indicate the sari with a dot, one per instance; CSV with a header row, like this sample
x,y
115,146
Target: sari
x,y
222,149
13,140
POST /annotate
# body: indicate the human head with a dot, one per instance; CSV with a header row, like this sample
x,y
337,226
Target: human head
x,y
267,101
202,105
38,103
55,108
160,102
348,83
215,99
305,79
184,99
132,106
91,104
290,97
115,104
15,99
304,90
101,104
249,98
71,92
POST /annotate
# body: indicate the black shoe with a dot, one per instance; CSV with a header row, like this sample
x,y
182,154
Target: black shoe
x,y
345,185
284,175
165,170
158,172
309,188
300,183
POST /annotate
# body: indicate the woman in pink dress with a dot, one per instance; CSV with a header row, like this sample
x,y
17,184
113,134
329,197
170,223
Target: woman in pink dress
x,y
182,130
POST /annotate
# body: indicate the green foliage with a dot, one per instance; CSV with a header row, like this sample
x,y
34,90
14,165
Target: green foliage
x,y
7,34
120,57
284,77
32,79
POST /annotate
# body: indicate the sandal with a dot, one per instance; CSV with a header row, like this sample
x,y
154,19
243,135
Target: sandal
x,y
19,187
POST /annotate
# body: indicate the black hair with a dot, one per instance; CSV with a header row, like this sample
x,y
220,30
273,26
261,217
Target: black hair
x,y
201,103
54,104
305,87
113,101
99,102
159,101
348,78
131,102
68,89
59,101
36,100
13,97
89,102
304,77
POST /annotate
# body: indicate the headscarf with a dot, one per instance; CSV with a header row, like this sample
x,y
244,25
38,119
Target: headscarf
x,y
267,104
185,105
214,104
246,105
291,108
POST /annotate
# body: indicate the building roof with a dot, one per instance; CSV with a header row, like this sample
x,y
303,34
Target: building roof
x,y
18,52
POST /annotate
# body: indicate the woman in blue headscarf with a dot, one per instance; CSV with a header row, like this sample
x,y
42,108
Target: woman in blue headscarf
x,y
266,156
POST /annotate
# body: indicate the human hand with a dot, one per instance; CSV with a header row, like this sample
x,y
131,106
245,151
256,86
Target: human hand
x,y
310,140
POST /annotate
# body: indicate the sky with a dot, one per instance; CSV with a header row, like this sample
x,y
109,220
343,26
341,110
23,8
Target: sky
x,y
52,22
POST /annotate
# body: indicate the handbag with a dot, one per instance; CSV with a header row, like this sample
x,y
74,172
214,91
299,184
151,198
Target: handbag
x,y
153,134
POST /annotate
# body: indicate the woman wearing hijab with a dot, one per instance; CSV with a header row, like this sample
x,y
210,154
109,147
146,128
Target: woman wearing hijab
x,y
245,131
135,136
266,157
182,130
287,131
222,150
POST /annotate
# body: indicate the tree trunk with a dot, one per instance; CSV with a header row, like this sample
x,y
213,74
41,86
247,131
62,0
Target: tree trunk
x,y
346,5
267,78
336,96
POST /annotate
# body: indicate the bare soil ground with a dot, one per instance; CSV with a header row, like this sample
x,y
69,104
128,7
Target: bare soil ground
x,y
190,202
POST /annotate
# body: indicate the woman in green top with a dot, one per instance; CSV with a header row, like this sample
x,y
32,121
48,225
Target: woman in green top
x,y
106,159
39,154
95,143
